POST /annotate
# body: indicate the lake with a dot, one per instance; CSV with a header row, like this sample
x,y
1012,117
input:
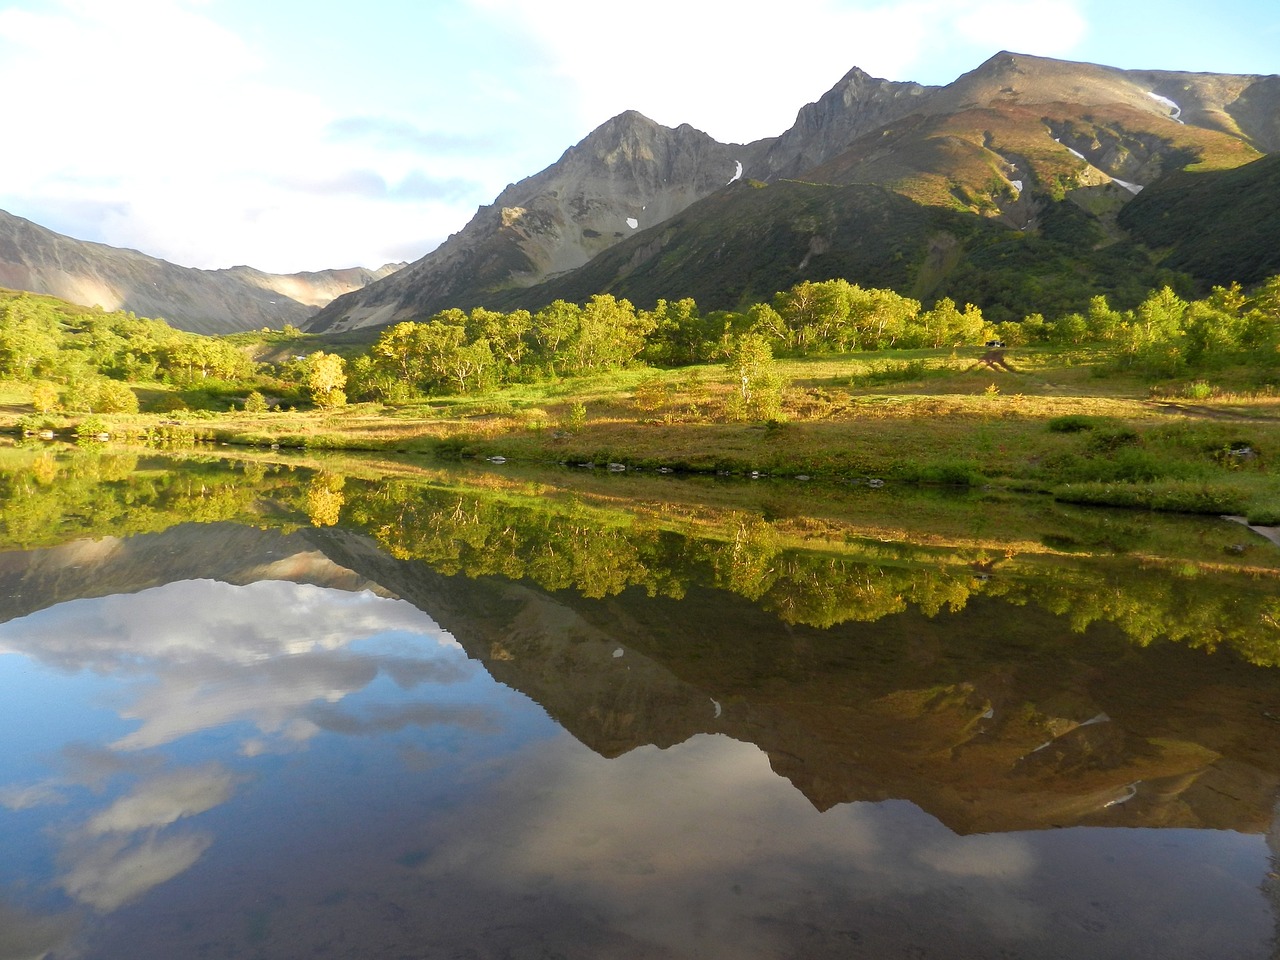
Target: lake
x,y
262,708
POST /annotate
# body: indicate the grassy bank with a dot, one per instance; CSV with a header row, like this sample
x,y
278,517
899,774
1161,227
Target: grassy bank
x,y
1061,422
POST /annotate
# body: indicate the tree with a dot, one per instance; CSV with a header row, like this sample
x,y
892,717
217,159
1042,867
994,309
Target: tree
x,y
28,337
759,387
610,333
553,326
679,334
504,332
401,350
44,396
945,326
326,378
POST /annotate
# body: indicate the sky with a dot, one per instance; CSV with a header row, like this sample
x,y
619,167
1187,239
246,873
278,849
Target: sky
x,y
302,136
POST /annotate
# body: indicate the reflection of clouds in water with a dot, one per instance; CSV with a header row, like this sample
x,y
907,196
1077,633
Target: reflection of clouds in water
x,y
198,620
216,653
985,855
121,853
110,872
389,719
36,795
165,799
693,844
24,936
186,698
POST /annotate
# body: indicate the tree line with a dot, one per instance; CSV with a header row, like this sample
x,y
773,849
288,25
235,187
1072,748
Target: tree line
x,y
83,360
87,358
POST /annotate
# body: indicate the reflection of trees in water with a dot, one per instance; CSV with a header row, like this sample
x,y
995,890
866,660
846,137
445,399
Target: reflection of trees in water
x,y
569,546
572,548
325,499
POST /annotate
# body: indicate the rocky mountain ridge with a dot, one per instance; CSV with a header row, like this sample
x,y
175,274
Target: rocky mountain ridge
x,y
1002,143
203,301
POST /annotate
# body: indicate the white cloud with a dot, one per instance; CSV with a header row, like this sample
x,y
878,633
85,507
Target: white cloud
x,y
741,77
158,122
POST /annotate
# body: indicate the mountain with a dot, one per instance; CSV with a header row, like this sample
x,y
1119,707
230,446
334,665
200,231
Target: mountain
x,y
203,301
626,175
1234,214
1016,171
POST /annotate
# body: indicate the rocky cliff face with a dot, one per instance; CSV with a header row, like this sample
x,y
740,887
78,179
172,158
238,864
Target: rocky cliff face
x,y
203,301
857,105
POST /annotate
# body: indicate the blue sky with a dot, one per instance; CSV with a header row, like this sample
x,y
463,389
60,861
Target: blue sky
x,y
297,136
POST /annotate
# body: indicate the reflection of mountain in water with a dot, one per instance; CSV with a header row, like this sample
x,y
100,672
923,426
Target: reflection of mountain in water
x,y
994,718
33,580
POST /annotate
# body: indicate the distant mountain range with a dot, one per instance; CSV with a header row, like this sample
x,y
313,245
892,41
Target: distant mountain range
x,y
1027,184
203,301
1004,187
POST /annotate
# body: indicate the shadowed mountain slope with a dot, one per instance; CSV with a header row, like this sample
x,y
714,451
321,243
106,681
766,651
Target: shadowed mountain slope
x,y
1234,214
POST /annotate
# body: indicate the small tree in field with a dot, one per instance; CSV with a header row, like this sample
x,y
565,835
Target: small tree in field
x,y
44,396
758,393
326,378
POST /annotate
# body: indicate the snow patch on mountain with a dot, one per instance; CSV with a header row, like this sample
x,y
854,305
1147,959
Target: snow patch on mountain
x,y
1074,152
1175,111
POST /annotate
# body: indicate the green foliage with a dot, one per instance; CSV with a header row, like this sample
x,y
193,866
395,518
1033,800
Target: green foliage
x,y
1071,423
92,428
576,418
758,393
1180,496
255,402
85,351
326,378
1215,225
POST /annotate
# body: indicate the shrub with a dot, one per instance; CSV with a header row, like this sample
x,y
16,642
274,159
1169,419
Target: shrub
x,y
91,428
576,418
255,402
1071,423
1199,390
1109,441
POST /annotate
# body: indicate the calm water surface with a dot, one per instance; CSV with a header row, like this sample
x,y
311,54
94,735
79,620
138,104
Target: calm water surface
x,y
264,721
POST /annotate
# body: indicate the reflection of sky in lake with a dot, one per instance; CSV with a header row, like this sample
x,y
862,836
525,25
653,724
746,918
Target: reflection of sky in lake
x,y
279,770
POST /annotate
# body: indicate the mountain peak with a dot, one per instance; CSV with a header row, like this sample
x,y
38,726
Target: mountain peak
x,y
940,148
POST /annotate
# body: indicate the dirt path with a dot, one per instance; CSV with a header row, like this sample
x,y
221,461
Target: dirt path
x,y
1207,413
